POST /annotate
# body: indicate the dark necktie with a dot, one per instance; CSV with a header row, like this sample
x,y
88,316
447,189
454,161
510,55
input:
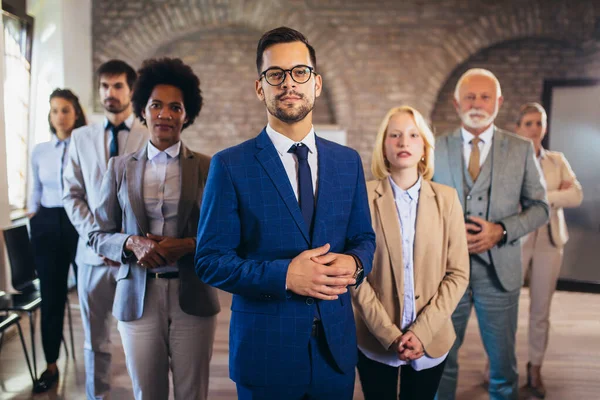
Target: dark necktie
x,y
306,197
114,144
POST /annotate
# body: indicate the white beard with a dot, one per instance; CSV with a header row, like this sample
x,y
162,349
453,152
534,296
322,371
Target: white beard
x,y
470,122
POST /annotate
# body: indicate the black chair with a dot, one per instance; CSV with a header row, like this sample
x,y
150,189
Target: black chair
x,y
8,320
24,279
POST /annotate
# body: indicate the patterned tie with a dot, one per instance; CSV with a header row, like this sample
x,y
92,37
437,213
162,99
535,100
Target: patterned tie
x,y
474,160
306,197
114,144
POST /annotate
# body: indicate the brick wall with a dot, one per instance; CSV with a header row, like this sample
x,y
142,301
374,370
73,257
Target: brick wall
x,y
372,54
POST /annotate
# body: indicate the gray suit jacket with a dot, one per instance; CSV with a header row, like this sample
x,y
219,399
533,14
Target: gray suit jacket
x,y
121,213
517,198
82,177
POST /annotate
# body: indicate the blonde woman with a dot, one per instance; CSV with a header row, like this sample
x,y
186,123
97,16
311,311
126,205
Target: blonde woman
x,y
543,248
420,270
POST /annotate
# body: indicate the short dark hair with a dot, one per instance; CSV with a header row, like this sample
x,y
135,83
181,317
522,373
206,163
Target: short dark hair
x,y
118,67
69,96
282,35
168,71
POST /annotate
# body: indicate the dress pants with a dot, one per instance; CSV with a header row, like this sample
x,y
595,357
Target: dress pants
x,y
380,381
327,383
497,312
166,338
541,262
54,242
96,286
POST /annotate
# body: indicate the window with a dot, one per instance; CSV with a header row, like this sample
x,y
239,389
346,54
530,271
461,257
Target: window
x,y
17,67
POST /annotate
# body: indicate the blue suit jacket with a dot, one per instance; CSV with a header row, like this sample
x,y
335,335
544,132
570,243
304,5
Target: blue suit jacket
x,y
251,227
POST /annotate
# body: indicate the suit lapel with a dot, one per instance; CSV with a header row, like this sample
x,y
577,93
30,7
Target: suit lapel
x,y
269,159
135,188
100,143
390,223
135,137
326,184
189,187
426,210
499,157
455,159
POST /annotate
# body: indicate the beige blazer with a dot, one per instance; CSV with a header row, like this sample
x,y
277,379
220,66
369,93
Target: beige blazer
x,y
441,270
556,169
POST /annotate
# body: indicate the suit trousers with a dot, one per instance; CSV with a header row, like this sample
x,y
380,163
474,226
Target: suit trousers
x,y
380,381
54,242
166,338
541,263
327,382
497,312
96,286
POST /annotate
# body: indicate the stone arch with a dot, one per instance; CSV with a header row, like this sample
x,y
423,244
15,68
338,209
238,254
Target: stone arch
x,y
154,24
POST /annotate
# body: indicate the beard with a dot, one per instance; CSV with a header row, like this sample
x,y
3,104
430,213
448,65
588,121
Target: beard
x,y
289,115
115,107
468,118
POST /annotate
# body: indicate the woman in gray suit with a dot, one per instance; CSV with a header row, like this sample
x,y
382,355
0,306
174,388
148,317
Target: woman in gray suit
x,y
147,220
543,248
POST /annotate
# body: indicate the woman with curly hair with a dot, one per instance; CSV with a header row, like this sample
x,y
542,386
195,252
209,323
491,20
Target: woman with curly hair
x,y
147,220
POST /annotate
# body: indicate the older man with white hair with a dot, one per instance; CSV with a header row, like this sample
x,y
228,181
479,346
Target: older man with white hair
x,y
503,198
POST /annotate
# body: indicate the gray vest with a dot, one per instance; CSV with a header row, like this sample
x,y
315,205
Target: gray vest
x,y
477,195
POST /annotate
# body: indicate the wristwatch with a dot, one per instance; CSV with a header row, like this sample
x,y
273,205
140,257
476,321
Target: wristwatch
x,y
502,241
360,272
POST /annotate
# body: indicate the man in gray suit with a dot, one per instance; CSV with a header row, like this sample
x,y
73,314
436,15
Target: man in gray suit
x,y
503,197
91,148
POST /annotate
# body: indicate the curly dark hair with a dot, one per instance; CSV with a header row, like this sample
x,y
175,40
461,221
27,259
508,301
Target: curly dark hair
x,y
74,100
168,71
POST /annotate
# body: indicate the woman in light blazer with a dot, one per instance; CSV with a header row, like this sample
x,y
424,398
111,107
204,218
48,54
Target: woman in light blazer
x,y
147,220
543,248
421,267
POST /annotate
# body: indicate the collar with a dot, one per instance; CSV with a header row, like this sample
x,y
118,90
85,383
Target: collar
x,y
543,153
485,137
413,191
128,121
283,143
172,151
56,141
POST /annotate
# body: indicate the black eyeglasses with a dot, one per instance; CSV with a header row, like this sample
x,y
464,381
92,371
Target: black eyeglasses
x,y
275,75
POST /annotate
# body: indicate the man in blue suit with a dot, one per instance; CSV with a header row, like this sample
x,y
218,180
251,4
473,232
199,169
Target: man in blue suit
x,y
285,227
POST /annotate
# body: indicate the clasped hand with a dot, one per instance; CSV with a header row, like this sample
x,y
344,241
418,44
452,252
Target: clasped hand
x,y
409,347
155,251
321,274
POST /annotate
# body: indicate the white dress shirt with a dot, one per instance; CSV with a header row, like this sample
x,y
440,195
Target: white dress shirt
x,y
122,135
406,206
162,190
290,162
484,145
48,161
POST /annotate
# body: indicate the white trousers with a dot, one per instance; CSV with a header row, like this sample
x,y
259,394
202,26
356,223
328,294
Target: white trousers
x,y
166,337
541,263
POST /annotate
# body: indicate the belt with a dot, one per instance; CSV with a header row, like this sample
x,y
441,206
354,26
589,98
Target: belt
x,y
163,275
317,328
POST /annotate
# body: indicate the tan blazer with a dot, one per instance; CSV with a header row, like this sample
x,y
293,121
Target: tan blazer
x,y
556,169
441,270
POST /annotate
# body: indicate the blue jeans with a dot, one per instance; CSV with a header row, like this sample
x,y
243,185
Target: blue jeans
x,y
497,311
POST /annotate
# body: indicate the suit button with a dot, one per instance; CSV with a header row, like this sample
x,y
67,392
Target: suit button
x,y
310,301
480,214
288,294
468,212
480,198
469,197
